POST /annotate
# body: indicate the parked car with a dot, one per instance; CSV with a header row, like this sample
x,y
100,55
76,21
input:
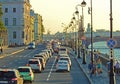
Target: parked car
x,y
35,65
62,65
10,76
27,73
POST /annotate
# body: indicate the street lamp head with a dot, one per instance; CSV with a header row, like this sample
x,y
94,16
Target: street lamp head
x,y
71,22
76,12
83,4
73,18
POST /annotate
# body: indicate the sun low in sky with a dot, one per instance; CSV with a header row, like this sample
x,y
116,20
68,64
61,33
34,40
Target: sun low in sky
x,y
56,12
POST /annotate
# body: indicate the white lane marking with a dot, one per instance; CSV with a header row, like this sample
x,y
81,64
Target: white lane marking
x,y
51,70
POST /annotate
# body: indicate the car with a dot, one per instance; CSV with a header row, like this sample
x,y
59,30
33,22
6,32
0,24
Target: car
x,y
66,58
62,65
35,65
43,55
31,45
63,50
27,73
42,61
10,76
61,55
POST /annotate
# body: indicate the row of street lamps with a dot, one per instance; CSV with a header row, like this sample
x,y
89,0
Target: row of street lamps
x,y
79,38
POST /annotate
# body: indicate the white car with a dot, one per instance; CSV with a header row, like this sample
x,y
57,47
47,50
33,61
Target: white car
x,y
62,65
35,65
31,45
63,50
66,58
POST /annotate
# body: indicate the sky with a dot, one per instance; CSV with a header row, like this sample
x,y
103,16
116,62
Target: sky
x,y
56,12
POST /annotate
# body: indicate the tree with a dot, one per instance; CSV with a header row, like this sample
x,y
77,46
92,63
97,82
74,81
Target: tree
x,y
2,27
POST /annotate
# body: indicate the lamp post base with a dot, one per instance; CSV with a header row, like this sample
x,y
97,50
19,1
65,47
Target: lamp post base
x,y
84,57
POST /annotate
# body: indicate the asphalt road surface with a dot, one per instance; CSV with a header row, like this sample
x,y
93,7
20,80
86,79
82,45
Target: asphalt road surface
x,y
49,75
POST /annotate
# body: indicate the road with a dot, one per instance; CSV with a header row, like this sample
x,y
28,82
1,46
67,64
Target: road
x,y
49,75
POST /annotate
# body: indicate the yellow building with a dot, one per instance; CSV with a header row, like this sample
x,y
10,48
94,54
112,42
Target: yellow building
x,y
31,32
38,27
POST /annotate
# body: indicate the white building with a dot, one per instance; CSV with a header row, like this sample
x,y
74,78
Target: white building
x,y
16,17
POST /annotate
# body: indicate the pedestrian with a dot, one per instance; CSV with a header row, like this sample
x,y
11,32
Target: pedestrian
x,y
108,67
92,68
117,67
90,65
1,50
99,66
96,56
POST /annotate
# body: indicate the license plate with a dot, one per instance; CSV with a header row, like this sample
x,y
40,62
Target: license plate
x,y
3,81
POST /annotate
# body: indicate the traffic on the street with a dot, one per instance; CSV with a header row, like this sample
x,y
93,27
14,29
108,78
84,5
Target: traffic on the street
x,y
44,65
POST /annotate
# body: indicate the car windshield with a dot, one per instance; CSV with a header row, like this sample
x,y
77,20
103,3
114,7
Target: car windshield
x,y
23,70
7,74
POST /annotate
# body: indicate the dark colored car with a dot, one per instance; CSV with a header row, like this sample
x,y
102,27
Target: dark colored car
x,y
10,76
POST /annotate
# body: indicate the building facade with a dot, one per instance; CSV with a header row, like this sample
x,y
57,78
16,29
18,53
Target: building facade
x,y
32,25
37,28
16,18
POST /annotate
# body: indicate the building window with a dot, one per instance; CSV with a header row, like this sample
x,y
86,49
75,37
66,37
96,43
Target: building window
x,y
14,21
14,10
22,34
6,10
14,35
6,21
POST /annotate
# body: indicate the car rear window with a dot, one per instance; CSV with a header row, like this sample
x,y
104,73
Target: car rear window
x,y
62,62
62,49
23,70
7,74
64,59
33,62
38,56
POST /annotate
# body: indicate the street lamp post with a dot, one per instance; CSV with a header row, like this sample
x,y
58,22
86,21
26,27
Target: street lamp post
x,y
78,49
75,35
112,74
83,4
80,29
92,57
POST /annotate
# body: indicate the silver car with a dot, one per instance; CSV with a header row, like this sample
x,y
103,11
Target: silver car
x,y
35,65
62,65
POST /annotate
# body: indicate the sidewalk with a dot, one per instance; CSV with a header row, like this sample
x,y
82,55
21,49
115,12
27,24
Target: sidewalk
x,y
11,50
103,78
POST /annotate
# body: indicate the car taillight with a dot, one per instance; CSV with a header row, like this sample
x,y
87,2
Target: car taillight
x,y
38,64
27,64
29,74
13,79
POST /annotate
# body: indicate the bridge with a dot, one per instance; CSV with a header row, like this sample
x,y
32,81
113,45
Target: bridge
x,y
98,39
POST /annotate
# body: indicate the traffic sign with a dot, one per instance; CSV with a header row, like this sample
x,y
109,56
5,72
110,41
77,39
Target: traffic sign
x,y
111,43
83,42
